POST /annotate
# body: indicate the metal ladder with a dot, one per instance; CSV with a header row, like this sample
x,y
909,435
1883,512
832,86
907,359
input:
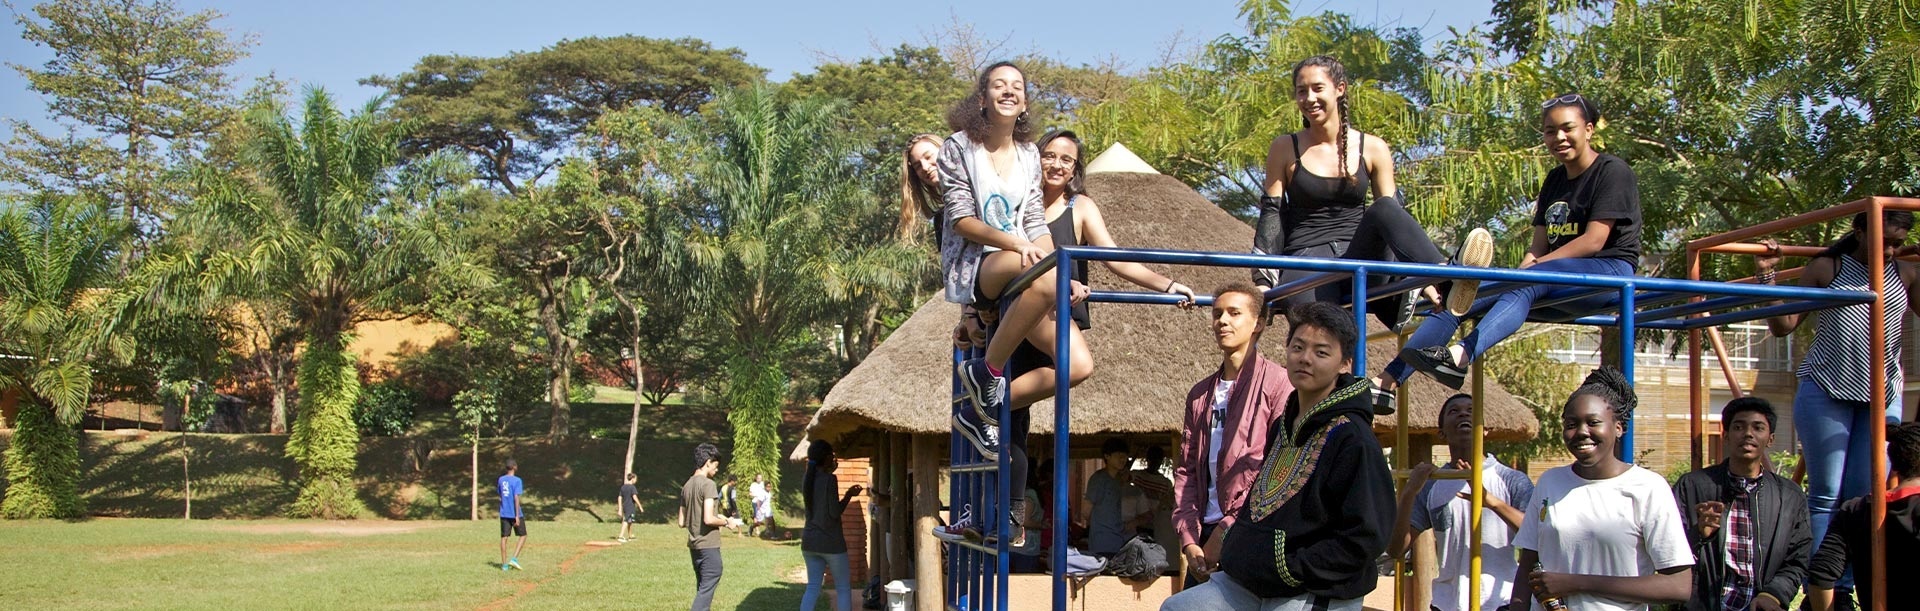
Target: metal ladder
x,y
976,573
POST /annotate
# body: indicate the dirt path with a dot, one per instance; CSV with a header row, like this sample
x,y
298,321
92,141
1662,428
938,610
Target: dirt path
x,y
566,566
351,528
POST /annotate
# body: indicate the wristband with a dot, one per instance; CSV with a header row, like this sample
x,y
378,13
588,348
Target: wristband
x,y
1169,288
1767,277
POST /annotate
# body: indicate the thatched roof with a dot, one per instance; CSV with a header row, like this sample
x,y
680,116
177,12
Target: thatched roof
x,y
1146,357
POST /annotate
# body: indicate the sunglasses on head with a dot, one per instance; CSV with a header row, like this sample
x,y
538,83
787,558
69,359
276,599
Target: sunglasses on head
x,y
1565,100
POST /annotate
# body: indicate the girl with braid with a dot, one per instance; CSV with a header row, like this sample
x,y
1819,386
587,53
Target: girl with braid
x,y
1605,534
1315,203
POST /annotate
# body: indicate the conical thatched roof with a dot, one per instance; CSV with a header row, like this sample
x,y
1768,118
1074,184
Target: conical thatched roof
x,y
1146,357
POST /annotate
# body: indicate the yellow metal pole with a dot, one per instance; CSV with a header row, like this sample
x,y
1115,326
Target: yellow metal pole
x,y
1477,484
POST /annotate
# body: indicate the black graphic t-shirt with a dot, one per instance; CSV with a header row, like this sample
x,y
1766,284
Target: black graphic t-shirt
x,y
1606,191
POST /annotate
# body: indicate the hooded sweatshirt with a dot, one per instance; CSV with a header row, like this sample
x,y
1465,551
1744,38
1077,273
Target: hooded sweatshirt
x,y
1849,543
1321,507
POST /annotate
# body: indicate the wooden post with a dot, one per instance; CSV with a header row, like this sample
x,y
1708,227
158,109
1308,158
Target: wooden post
x,y
929,587
899,514
1426,566
878,564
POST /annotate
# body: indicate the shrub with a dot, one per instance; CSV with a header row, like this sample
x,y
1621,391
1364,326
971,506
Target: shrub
x,y
385,408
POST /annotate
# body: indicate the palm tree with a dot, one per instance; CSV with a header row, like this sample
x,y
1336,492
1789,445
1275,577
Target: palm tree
x,y
764,222
57,255
317,219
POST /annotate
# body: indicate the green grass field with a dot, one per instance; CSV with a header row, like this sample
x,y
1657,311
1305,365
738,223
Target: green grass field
x,y
370,564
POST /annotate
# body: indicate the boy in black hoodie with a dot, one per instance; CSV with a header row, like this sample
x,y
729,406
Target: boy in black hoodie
x,y
1320,511
1849,541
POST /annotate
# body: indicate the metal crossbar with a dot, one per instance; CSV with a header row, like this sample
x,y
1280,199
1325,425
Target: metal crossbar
x,y
1724,303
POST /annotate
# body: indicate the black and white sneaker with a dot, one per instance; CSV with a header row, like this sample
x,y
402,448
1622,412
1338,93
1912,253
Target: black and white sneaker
x,y
986,390
984,437
1437,363
1384,401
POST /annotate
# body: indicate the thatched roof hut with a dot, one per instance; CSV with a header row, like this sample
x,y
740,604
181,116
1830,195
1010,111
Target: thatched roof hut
x,y
1146,357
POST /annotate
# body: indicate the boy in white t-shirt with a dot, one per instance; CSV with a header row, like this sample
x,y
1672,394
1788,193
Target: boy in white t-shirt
x,y
1606,533
1445,507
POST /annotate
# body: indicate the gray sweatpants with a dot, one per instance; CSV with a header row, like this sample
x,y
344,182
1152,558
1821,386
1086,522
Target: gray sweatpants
x,y
706,569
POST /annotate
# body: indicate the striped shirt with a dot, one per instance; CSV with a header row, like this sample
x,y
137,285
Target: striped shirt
x,y
1838,359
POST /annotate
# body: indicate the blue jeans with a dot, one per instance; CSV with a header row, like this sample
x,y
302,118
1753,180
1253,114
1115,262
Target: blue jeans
x,y
1837,448
817,567
1502,314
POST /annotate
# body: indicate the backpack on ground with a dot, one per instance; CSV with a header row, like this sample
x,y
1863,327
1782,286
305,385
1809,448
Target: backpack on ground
x,y
1140,560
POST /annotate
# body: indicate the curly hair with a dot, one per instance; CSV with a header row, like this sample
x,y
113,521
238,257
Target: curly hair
x,y
1611,386
1252,292
970,115
1337,73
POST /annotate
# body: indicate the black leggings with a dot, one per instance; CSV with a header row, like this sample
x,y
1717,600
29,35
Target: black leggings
x,y
1386,233
1388,228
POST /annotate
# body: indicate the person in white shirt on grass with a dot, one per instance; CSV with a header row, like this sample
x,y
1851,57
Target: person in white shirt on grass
x,y
1606,533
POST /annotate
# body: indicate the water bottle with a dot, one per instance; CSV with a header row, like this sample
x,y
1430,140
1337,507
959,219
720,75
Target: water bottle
x,y
1547,600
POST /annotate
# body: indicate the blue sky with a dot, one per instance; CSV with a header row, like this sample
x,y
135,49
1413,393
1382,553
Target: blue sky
x,y
335,43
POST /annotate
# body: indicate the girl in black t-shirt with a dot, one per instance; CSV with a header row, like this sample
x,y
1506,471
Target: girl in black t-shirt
x,y
1315,198
1586,221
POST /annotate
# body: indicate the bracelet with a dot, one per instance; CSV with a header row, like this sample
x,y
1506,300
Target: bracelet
x,y
1767,277
1169,288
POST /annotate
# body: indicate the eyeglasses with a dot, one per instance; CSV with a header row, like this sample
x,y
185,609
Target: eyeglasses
x,y
1058,158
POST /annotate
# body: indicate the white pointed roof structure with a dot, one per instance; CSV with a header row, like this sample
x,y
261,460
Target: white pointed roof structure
x,y
1119,159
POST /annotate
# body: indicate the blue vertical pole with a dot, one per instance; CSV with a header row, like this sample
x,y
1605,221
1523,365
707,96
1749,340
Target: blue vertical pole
x,y
1360,322
955,493
1626,360
1062,380
1004,501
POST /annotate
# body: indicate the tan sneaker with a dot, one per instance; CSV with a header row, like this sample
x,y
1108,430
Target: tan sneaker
x,y
1475,251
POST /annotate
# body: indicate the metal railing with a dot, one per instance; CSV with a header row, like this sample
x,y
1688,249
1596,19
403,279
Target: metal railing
x,y
1638,302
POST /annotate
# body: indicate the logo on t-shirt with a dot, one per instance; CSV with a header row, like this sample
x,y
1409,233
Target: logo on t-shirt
x,y
1560,221
999,213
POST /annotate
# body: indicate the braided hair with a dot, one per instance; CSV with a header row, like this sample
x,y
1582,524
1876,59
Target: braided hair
x,y
1337,73
1613,387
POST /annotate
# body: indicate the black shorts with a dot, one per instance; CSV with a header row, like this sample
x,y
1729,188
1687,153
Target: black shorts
x,y
631,517
510,527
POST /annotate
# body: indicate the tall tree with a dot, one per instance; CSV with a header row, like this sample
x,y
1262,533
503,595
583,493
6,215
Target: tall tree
x,y
320,221
519,116
761,216
138,87
516,115
57,318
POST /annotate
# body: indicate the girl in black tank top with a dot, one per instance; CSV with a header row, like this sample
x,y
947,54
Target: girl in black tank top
x,y
1076,219
1307,213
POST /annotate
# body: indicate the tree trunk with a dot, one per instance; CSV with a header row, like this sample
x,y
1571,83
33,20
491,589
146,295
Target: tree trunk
x,y
756,386
43,465
559,362
325,441
278,426
639,383
926,502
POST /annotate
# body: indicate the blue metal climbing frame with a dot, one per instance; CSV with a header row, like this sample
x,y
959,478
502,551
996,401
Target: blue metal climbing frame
x,y
977,573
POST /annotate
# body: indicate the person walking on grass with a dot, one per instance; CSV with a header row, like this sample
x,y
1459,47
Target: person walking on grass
x,y
513,521
761,496
629,508
700,515
822,544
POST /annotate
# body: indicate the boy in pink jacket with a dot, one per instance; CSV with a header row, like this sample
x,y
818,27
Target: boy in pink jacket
x,y
1226,423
